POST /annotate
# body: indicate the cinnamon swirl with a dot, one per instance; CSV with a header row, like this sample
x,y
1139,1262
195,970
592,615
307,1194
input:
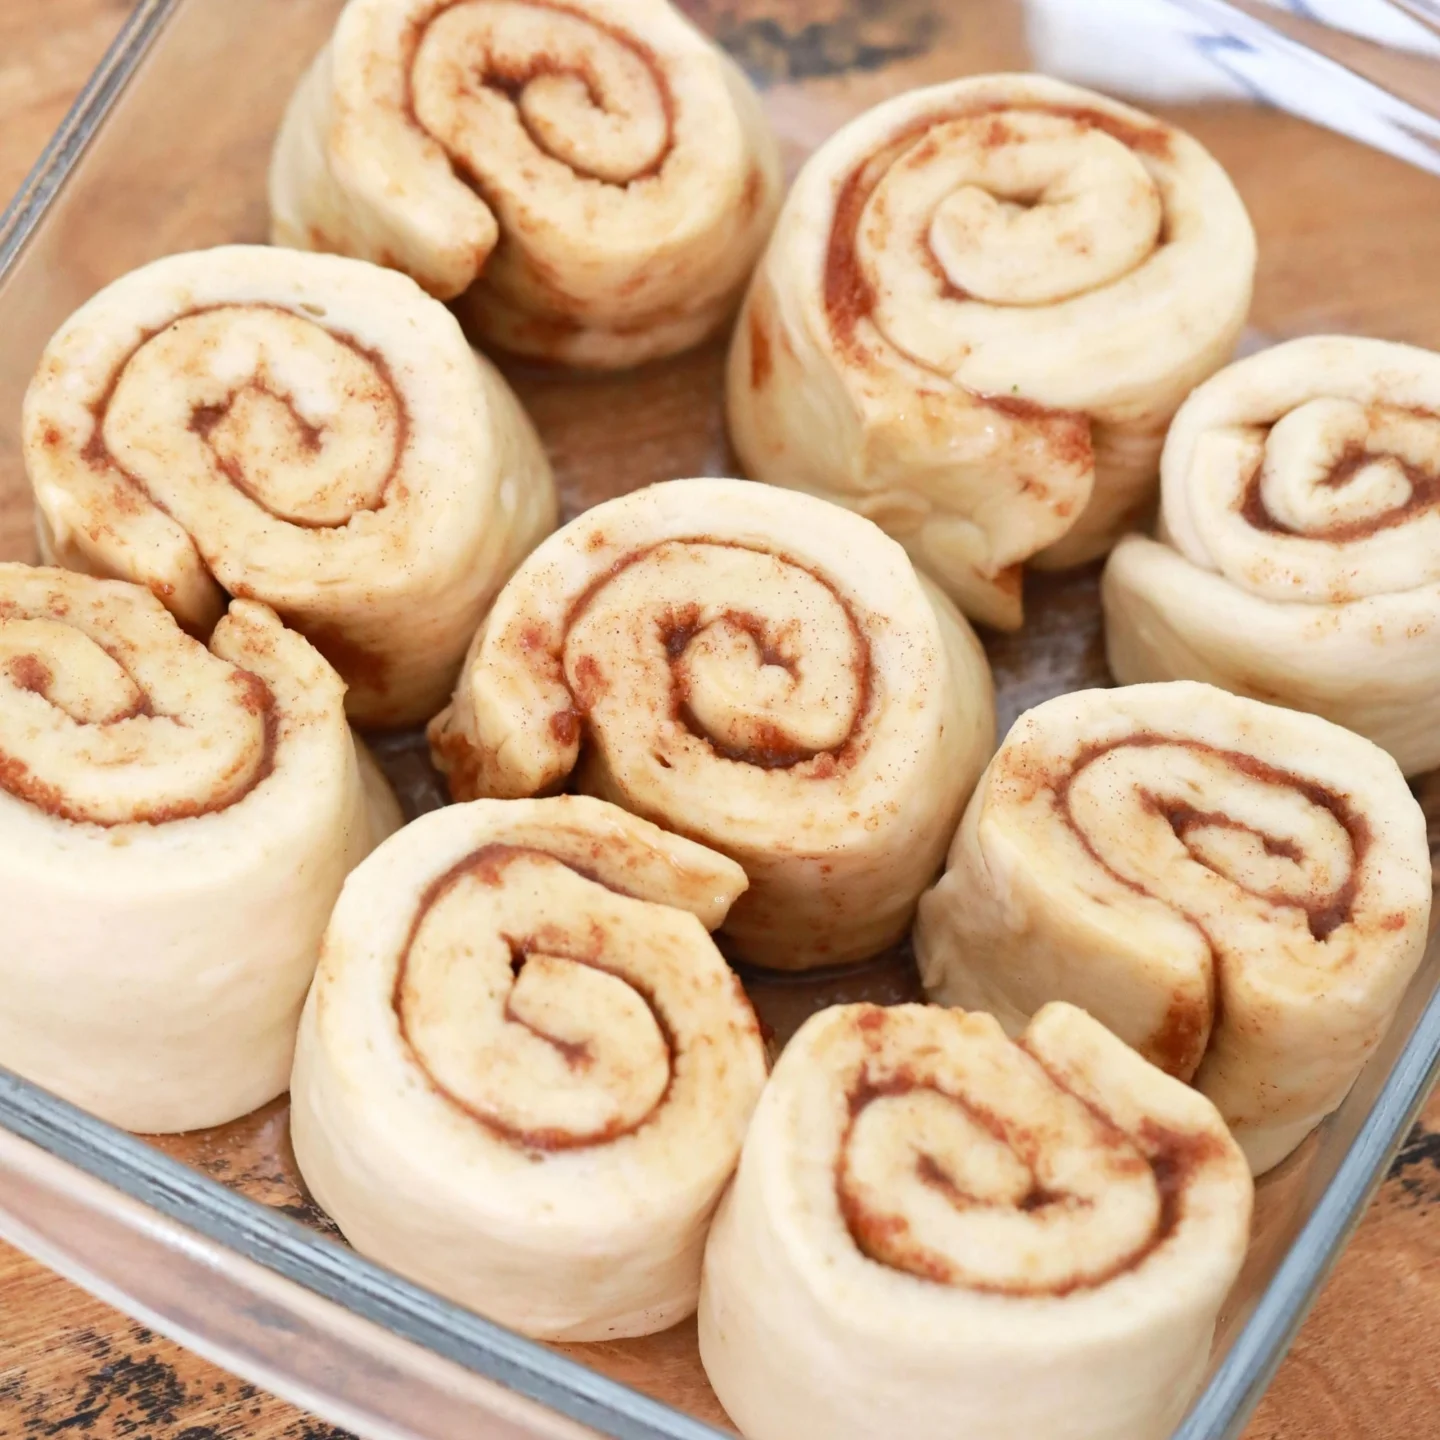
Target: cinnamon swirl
x,y
1298,559
1240,892
524,1071
980,308
177,822
299,429
753,668
591,180
935,1231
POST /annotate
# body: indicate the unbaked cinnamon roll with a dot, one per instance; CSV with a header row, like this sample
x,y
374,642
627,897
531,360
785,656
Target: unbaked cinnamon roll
x,y
753,668
524,1071
299,429
981,305
175,824
591,181
1298,558
1240,892
938,1232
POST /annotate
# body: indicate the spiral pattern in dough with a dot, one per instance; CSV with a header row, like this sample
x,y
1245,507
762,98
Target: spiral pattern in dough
x,y
1240,892
753,668
299,429
525,1070
176,824
593,180
1299,553
981,306
936,1231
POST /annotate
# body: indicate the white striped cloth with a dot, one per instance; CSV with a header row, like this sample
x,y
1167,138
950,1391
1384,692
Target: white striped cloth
x,y
1176,51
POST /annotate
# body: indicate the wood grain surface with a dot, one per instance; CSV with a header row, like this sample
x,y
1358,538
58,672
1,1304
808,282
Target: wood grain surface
x,y
1348,240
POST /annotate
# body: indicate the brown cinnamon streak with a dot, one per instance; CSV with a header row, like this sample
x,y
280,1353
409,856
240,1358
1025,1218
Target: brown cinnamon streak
x,y
848,294
1178,1045
204,418
31,673
511,82
773,748
17,779
354,664
1424,495
849,297
1172,1156
576,1053
487,865
1324,914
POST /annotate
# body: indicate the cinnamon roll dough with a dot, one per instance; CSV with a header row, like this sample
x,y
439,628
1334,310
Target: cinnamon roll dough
x,y
524,1070
1240,892
981,305
590,182
303,430
1298,559
756,669
175,824
936,1232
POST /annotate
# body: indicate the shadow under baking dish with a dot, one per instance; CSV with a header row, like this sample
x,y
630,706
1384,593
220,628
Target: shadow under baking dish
x,y
210,1236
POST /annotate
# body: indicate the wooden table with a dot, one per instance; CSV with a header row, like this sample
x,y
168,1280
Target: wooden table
x,y
1366,1365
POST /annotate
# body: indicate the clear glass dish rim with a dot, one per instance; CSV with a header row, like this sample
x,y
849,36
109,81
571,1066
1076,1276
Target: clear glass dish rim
x,y
339,1275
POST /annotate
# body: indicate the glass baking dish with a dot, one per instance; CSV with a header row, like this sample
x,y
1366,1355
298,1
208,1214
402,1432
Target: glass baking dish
x,y
210,1238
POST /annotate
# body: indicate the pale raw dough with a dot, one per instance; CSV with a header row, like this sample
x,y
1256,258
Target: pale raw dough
x,y
1298,559
757,669
937,1233
1240,892
176,825
304,430
591,183
981,305
525,1071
